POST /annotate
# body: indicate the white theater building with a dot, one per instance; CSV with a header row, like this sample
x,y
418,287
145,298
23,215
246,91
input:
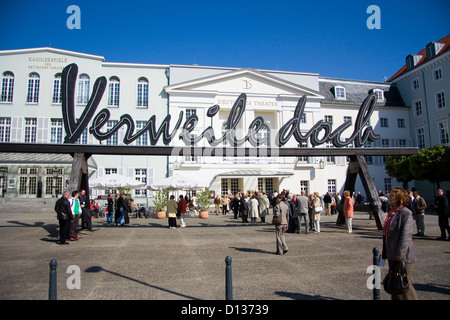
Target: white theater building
x,y
274,96
30,111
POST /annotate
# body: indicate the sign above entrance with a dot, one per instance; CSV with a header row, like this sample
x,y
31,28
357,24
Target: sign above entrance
x,y
321,132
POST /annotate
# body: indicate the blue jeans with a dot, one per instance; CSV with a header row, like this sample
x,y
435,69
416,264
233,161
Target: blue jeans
x,y
109,217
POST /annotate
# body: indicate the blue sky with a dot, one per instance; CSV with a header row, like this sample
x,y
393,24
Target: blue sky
x,y
326,37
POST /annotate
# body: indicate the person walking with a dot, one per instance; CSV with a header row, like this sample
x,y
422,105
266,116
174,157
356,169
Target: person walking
x,y
281,208
419,205
172,208
327,204
182,205
224,204
217,204
235,205
348,210
398,240
254,208
302,211
263,202
442,208
317,209
121,209
86,220
64,215
243,208
76,210
110,214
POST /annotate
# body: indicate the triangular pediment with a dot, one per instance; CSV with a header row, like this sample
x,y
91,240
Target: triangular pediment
x,y
249,81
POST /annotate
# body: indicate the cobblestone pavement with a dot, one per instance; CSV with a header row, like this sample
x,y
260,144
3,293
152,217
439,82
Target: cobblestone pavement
x,y
147,260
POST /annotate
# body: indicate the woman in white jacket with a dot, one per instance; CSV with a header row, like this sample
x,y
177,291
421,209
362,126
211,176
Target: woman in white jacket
x,y
254,208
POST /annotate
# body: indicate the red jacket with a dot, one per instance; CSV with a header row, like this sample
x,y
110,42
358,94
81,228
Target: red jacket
x,y
182,204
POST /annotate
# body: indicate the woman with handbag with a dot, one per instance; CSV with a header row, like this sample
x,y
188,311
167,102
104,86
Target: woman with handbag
x,y
398,245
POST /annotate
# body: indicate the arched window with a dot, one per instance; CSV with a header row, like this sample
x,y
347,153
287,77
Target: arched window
x,y
264,133
57,89
142,93
7,87
33,88
113,92
83,89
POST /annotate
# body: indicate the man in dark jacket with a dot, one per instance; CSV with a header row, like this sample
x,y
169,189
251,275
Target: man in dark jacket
x,y
64,215
442,208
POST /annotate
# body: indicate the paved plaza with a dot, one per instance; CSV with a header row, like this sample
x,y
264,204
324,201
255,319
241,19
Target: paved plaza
x,y
147,260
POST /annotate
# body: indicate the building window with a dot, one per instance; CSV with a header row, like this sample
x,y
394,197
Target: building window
x,y
190,112
380,95
348,119
303,159
143,139
33,88
443,131
440,100
328,119
401,123
7,87
384,122
114,139
332,186
387,185
369,159
110,171
339,92
264,134
303,118
420,133
437,74
30,130
56,129
402,143
113,92
415,84
142,93
418,107
83,139
330,159
5,129
83,89
57,89
384,144
140,175
224,186
304,186
234,185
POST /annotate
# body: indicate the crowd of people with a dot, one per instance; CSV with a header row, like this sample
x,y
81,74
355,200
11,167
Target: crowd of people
x,y
69,208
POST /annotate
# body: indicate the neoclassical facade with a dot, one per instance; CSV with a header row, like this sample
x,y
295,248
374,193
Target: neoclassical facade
x,y
30,105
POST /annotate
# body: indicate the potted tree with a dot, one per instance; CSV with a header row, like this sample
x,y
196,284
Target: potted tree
x,y
203,203
160,201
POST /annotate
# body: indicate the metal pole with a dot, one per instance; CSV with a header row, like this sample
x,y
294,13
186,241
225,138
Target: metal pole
x,y
52,282
377,274
228,280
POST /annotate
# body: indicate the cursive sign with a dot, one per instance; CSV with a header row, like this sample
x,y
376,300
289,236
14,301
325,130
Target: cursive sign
x,y
320,133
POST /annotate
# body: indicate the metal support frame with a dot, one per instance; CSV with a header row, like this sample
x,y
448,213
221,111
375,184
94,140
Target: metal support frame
x,y
358,166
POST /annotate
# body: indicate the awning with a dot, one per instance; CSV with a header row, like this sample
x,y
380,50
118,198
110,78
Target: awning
x,y
260,173
45,159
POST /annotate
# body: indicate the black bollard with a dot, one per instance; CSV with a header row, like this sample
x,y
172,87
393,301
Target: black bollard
x,y
377,274
52,282
228,280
